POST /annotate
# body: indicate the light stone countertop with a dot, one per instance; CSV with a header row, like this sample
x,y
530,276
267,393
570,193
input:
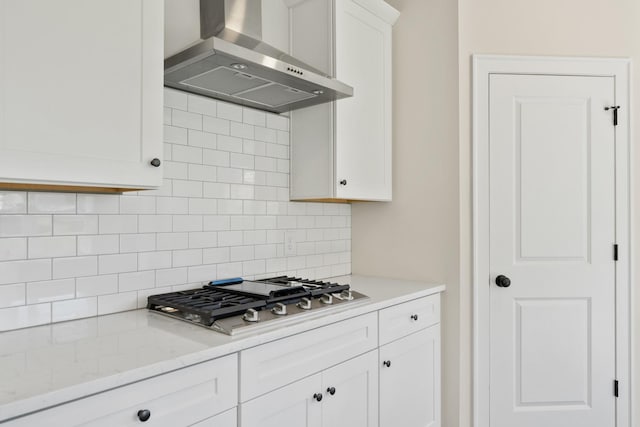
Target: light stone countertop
x,y
48,365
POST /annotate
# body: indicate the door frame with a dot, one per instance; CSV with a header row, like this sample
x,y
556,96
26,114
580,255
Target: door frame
x,y
483,67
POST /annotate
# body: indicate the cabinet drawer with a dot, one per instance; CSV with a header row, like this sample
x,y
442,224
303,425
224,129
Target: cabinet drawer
x,y
226,419
275,364
403,319
182,397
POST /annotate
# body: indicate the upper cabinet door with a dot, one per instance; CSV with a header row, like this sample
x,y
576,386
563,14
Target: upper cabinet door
x,y
81,92
363,125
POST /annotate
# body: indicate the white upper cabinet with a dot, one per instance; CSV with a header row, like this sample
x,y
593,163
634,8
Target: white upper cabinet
x,y
81,93
342,150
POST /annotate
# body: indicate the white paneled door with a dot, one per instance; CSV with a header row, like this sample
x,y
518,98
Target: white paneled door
x,y
551,244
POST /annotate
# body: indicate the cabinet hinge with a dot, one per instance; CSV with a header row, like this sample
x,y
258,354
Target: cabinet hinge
x,y
615,388
615,109
615,252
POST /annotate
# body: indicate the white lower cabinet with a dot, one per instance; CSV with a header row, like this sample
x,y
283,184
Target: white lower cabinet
x,y
181,398
345,395
410,380
226,419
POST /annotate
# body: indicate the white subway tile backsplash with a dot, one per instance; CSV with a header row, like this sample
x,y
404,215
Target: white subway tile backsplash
x,y
117,302
187,257
186,120
24,316
277,122
138,280
171,276
167,241
203,206
229,111
229,143
118,263
202,139
51,290
222,211
199,104
175,99
25,225
98,204
96,285
12,249
137,242
202,173
13,202
12,295
154,260
117,224
216,125
137,205
52,203
74,309
24,271
75,267
52,247
172,205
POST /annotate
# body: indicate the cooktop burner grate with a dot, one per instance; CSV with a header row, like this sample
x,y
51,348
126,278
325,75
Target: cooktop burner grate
x,y
214,302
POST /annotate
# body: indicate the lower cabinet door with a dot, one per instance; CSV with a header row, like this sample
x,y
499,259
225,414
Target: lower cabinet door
x,y
351,393
410,380
295,405
226,419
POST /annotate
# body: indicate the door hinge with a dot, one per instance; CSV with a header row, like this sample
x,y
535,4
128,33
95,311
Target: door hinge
x,y
615,109
615,252
615,388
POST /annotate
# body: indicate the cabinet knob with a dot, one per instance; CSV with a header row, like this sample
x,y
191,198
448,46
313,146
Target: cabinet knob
x,y
414,317
331,390
343,182
144,415
318,397
156,162
387,363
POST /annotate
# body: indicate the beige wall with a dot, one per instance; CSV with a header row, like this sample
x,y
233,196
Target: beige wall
x,y
416,235
541,27
425,233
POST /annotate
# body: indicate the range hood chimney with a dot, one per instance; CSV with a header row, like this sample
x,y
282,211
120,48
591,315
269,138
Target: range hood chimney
x,y
232,63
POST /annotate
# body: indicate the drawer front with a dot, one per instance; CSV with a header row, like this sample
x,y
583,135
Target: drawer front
x,y
406,318
275,364
182,397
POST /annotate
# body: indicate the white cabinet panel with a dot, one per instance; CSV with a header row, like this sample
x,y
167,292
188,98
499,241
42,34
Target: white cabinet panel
x,y
81,92
406,318
226,419
272,365
342,150
410,380
182,397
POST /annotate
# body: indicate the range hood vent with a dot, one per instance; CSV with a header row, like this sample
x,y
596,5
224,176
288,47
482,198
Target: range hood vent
x,y
231,63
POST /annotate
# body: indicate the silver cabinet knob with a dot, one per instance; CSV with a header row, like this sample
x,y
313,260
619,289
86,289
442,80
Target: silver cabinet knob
x,y
326,299
251,315
305,304
279,309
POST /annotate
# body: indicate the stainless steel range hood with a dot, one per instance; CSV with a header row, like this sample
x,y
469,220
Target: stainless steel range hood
x,y
232,63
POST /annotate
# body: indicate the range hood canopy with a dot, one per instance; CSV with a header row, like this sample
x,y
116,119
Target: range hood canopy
x,y
232,63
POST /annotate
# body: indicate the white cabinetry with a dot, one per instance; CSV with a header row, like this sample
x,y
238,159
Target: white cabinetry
x,y
180,398
81,93
343,396
342,150
410,364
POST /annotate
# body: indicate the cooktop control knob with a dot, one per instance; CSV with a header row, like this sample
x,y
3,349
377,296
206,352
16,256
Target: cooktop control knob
x,y
326,299
280,309
346,295
251,315
305,304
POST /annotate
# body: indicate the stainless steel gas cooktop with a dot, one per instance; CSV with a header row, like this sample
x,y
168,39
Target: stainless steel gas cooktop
x,y
235,305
